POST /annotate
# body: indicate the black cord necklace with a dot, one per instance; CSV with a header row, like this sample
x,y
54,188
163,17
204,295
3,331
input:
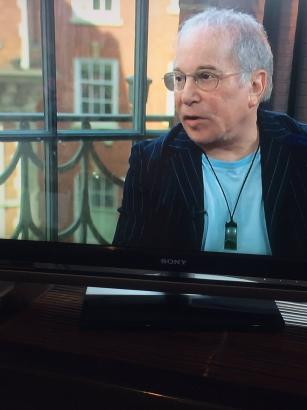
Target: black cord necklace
x,y
231,226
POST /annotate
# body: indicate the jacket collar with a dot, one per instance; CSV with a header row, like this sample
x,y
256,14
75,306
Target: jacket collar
x,y
177,139
184,157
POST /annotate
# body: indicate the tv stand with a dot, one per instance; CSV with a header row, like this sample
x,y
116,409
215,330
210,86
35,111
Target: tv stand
x,y
117,308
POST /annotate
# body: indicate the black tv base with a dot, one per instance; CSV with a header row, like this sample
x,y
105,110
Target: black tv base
x,y
122,309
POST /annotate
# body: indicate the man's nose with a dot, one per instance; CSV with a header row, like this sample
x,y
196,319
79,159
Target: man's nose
x,y
190,93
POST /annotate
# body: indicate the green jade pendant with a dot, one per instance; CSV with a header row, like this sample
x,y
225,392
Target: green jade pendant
x,y
230,236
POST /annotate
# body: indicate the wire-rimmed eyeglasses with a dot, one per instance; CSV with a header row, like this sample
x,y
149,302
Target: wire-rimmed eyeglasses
x,y
206,80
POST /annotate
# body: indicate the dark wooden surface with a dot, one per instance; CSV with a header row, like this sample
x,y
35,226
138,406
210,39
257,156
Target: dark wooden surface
x,y
45,356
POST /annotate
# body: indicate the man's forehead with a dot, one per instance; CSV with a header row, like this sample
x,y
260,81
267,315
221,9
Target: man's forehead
x,y
204,40
200,33
206,47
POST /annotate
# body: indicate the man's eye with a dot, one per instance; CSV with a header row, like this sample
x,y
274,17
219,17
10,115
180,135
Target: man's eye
x,y
205,76
178,78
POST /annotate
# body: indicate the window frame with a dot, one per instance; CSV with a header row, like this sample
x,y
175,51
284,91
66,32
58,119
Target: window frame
x,y
102,193
50,114
114,83
91,16
50,135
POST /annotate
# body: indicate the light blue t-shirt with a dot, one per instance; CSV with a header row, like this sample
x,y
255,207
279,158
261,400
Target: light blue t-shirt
x,y
252,236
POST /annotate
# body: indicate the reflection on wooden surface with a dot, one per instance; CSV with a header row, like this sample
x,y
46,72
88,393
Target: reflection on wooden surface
x,y
192,364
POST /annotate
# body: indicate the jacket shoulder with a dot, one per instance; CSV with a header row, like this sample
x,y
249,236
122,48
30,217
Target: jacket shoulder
x,y
163,146
283,124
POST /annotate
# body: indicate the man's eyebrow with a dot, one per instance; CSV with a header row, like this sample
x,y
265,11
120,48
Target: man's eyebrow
x,y
202,67
207,67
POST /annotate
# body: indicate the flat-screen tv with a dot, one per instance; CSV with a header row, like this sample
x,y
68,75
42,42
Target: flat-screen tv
x,y
160,288
83,98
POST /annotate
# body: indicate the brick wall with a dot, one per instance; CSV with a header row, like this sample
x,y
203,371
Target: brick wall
x,y
10,44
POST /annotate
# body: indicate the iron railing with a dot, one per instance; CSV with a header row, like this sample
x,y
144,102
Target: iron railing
x,y
37,137
84,159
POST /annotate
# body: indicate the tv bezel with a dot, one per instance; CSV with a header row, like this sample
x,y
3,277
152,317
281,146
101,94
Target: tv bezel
x,y
223,274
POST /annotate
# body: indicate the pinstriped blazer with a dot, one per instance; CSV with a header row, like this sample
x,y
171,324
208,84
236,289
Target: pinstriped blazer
x,y
163,201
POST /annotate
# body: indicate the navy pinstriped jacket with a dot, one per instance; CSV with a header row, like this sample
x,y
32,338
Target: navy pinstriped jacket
x,y
163,202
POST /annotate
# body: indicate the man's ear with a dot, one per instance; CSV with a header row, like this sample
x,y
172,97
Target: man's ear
x,y
257,87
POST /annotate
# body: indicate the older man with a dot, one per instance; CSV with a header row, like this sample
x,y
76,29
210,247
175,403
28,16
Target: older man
x,y
229,177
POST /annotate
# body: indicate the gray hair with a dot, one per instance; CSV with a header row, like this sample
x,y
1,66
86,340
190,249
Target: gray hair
x,y
251,49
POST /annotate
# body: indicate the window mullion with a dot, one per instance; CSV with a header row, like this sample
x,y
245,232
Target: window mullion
x,y
140,66
50,109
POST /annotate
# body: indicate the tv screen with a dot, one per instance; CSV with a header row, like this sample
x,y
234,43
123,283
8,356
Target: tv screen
x,y
154,147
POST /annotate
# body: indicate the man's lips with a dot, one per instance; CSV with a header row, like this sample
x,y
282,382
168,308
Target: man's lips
x,y
193,119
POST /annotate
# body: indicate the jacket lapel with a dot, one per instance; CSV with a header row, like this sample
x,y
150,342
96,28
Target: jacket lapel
x,y
185,159
275,165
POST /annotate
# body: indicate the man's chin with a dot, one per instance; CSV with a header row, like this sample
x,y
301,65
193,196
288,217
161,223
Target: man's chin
x,y
200,137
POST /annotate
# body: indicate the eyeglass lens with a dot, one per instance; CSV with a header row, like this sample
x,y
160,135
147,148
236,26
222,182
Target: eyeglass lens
x,y
204,79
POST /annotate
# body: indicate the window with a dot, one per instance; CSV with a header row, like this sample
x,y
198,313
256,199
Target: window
x,y
65,149
160,54
103,201
96,4
102,192
96,86
96,12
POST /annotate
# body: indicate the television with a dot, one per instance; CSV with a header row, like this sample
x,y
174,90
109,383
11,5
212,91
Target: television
x,y
174,287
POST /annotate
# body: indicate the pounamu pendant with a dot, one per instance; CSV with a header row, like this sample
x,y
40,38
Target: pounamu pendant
x,y
230,235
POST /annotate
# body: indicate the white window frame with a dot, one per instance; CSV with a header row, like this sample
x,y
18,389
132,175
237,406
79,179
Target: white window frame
x,y
84,13
173,7
24,35
102,192
79,81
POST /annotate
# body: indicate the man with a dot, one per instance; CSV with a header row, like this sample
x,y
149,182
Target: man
x,y
229,177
